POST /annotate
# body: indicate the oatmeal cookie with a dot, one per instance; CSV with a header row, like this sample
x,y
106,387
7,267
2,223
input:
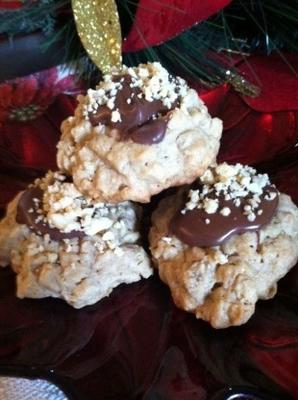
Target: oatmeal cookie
x,y
61,244
139,132
225,243
79,270
11,233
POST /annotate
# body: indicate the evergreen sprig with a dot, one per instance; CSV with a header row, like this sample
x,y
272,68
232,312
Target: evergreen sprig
x,y
31,17
202,53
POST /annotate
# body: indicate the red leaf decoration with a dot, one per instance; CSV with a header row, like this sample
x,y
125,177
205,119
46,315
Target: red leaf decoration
x,y
10,5
214,98
256,130
157,21
259,137
272,340
287,177
278,81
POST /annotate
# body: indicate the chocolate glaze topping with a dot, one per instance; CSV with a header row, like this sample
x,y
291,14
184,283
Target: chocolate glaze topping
x,y
192,229
24,216
143,121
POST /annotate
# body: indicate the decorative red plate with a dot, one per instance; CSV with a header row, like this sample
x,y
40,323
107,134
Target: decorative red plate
x,y
136,344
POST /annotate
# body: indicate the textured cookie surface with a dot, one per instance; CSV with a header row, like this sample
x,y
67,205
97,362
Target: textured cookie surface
x,y
76,270
11,233
80,270
222,284
112,169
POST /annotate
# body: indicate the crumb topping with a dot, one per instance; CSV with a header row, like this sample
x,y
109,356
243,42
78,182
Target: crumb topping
x,y
237,183
65,208
153,81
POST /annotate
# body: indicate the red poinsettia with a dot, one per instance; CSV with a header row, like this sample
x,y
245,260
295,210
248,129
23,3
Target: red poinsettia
x,y
258,129
25,99
28,136
255,130
31,145
10,4
158,21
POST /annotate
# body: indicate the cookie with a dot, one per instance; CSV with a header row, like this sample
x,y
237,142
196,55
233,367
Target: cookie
x,y
140,132
61,244
11,233
223,244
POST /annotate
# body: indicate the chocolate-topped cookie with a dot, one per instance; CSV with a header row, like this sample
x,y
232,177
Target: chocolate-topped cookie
x,y
224,243
139,132
62,244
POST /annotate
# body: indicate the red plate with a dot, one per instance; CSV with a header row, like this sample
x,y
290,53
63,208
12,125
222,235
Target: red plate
x,y
136,344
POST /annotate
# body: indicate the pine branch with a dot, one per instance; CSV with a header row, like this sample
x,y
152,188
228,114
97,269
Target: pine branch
x,y
202,53
33,16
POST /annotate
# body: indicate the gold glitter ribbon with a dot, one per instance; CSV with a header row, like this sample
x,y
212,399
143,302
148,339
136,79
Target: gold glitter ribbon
x,y
98,26
242,85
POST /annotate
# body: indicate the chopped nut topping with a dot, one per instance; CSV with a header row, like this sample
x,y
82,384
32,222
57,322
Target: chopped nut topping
x,y
166,239
237,183
152,79
116,117
225,211
63,207
210,205
251,217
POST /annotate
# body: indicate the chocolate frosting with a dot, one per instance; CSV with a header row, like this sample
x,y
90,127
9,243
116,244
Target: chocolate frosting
x,y
137,121
191,227
23,216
